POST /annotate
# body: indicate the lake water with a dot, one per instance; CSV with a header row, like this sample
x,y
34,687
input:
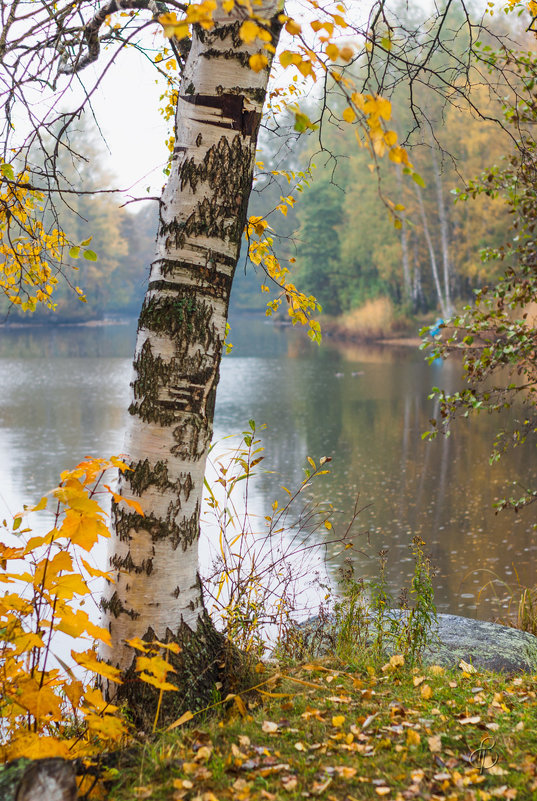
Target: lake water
x,y
64,391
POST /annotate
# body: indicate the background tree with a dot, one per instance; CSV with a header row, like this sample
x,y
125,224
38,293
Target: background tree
x,y
496,334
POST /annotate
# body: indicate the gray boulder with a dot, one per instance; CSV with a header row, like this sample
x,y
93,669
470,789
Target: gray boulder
x,y
486,646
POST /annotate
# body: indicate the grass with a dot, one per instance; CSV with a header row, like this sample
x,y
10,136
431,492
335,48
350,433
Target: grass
x,y
375,319
344,732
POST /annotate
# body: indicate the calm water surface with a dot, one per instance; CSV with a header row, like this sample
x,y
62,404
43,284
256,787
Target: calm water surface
x,y
63,395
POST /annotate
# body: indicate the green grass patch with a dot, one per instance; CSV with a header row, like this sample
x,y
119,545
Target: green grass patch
x,y
334,732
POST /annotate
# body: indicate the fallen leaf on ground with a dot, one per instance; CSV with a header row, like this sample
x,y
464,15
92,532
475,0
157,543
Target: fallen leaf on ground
x,y
142,792
467,667
317,788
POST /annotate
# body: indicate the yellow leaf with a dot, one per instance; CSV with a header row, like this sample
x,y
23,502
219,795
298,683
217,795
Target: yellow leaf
x,y
287,58
185,717
142,792
228,5
155,664
106,727
68,586
41,702
467,667
35,745
140,645
41,505
249,31
293,27
160,684
349,114
90,661
239,703
426,692
346,53
168,646
258,62
83,531
338,721
95,572
203,754
332,51
76,622
390,137
129,501
412,737
345,772
171,26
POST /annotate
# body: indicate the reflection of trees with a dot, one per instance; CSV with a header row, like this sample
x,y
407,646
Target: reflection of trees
x,y
443,490
371,424
67,341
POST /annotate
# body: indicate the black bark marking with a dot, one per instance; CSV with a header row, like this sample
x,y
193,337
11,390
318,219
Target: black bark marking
x,y
127,563
232,108
143,475
183,533
115,607
210,283
227,167
192,437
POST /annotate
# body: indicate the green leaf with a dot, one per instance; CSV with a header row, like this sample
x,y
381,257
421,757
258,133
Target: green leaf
x,y
416,177
7,171
90,255
74,252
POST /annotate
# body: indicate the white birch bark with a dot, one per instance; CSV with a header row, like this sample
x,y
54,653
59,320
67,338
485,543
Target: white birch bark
x,y
444,228
432,255
180,335
407,286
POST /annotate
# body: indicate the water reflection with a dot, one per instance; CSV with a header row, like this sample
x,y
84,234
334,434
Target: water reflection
x,y
63,395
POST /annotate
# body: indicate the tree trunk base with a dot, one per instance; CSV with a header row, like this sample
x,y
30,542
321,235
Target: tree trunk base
x,y
207,669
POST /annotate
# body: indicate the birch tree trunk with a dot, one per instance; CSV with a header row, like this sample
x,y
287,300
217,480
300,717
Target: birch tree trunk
x,y
407,287
432,255
156,591
444,228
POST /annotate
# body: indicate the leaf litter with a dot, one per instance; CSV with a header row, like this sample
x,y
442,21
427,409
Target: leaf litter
x,y
399,734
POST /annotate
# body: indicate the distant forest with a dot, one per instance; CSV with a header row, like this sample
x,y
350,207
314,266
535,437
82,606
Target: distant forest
x,y
339,236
